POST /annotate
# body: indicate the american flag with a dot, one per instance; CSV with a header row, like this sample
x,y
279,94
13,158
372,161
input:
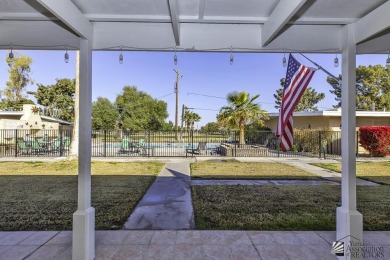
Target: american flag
x,y
298,77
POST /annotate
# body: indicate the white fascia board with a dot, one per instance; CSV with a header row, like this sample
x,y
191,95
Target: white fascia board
x,y
144,36
36,35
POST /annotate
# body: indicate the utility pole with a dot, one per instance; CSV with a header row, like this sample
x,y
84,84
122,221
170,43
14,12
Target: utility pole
x,y
177,103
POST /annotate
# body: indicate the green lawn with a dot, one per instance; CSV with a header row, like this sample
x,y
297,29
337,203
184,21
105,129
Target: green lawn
x,y
284,207
373,171
43,196
231,169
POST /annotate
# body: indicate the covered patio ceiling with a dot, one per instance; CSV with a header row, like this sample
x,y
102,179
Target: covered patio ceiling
x,y
195,25
348,27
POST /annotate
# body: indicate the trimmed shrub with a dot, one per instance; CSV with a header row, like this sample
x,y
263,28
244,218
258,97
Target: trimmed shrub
x,y
375,139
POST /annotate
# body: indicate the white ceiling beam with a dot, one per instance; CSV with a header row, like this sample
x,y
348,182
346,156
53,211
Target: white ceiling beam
x,y
202,6
211,19
26,17
281,15
323,21
174,10
373,23
378,45
70,15
183,19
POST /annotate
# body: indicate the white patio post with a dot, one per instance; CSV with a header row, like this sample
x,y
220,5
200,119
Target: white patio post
x,y
349,221
83,245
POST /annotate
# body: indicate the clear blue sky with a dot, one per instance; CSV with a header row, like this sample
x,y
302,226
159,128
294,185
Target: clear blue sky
x,y
203,73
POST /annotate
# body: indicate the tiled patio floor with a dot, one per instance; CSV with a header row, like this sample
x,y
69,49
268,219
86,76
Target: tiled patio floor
x,y
188,244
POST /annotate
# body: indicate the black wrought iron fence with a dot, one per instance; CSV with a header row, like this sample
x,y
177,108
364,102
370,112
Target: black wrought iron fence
x,y
51,143
27,143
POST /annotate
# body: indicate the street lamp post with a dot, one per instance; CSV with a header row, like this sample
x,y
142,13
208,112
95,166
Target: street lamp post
x,y
120,110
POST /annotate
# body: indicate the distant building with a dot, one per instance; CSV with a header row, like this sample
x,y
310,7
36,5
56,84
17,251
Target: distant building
x,y
331,119
28,121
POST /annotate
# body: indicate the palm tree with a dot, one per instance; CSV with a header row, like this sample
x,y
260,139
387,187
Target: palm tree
x,y
190,118
241,112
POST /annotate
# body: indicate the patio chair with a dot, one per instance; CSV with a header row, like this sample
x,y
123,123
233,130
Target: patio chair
x,y
126,146
200,149
36,147
23,148
141,146
66,145
54,147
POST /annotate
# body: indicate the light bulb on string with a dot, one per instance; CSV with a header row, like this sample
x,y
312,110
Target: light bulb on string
x,y
66,56
11,54
121,57
388,60
175,58
336,61
231,56
284,60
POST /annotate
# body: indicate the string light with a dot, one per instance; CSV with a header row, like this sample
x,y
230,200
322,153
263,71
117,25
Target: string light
x,y
336,61
121,57
284,59
11,54
388,60
231,56
66,56
175,58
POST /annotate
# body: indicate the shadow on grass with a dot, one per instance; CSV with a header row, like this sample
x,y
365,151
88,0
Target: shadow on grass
x,y
285,207
385,180
254,177
42,202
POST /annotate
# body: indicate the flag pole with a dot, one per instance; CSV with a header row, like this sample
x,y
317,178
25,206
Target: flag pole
x,y
321,68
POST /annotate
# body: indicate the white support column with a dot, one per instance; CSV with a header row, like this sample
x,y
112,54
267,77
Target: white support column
x,y
83,246
349,220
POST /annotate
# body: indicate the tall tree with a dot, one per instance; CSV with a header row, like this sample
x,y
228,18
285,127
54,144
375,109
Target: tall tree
x,y
372,87
140,110
19,77
105,116
167,126
242,111
308,102
58,99
210,127
190,118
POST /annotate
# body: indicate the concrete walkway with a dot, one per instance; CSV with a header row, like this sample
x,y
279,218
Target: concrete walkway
x,y
167,203
183,244
327,174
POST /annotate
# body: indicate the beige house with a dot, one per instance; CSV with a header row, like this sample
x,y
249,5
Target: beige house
x,y
28,121
331,118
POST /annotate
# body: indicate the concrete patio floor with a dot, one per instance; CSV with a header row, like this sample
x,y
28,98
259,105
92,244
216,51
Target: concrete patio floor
x,y
182,244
